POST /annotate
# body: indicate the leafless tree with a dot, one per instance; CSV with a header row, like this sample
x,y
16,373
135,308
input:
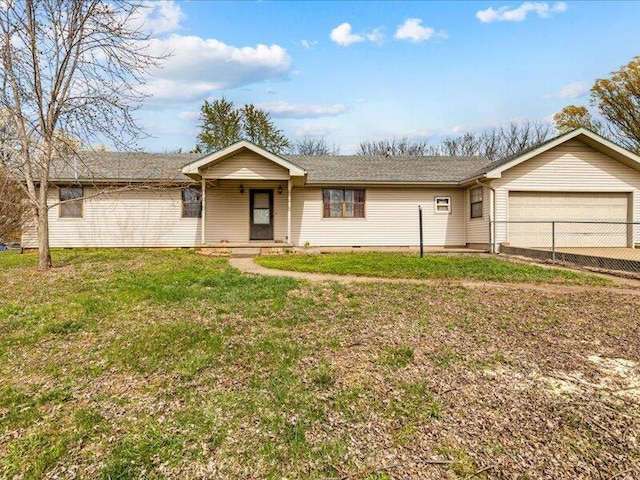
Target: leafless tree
x,y
70,70
465,145
517,137
310,146
493,144
402,147
497,142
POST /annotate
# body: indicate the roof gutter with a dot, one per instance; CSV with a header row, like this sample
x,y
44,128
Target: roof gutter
x,y
112,181
320,183
469,181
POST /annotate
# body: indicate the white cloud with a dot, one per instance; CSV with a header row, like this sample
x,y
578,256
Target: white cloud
x,y
506,14
189,115
413,31
315,130
308,44
422,134
375,35
198,67
298,110
342,35
161,16
571,90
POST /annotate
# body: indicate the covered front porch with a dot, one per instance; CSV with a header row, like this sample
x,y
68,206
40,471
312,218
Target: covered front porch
x,y
246,197
242,212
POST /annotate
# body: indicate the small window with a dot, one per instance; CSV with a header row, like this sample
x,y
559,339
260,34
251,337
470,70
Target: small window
x,y
71,202
191,203
475,195
342,203
443,205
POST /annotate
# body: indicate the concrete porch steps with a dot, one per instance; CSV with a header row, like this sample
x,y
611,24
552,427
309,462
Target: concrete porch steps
x,y
243,252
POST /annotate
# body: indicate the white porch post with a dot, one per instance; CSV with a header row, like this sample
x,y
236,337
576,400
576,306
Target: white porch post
x,y
204,212
633,217
289,211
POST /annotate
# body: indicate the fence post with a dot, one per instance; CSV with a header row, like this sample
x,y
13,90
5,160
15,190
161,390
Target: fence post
x,y
553,242
421,235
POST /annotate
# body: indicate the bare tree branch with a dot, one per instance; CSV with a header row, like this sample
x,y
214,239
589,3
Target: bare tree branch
x,y
309,146
71,72
493,144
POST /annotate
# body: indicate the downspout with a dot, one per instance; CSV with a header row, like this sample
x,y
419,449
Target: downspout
x,y
289,188
492,213
203,221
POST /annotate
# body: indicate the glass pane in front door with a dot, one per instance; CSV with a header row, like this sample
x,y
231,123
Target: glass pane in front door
x,y
261,200
261,216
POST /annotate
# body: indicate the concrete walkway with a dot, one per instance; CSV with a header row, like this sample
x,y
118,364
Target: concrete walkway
x,y
247,265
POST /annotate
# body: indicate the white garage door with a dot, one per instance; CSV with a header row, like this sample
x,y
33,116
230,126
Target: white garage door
x,y
574,207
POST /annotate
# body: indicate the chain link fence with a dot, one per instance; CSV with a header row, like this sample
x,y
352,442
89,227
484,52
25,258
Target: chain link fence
x,y
593,244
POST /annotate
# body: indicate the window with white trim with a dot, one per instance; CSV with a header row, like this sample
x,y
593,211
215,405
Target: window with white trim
x,y
475,198
442,205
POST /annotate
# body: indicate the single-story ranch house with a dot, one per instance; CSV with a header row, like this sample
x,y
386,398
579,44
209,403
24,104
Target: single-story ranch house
x,y
244,195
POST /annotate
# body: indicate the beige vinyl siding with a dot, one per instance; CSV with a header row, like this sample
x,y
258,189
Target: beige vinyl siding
x,y
131,218
568,206
477,229
246,166
391,219
227,211
570,167
574,206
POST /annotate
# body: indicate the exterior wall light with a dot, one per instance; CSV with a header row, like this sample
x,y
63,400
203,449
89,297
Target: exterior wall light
x,y
241,189
279,189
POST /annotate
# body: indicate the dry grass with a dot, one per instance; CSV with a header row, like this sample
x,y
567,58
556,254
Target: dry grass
x,y
136,364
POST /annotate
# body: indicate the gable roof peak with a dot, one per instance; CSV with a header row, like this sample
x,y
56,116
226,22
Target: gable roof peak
x,y
193,169
589,137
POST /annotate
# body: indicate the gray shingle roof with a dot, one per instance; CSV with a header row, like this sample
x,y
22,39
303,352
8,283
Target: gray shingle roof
x,y
125,167
166,167
357,168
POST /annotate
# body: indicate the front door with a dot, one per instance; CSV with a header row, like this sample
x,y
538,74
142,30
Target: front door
x,y
261,214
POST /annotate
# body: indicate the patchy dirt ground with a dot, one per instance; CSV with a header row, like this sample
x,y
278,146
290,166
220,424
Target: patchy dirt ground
x,y
175,366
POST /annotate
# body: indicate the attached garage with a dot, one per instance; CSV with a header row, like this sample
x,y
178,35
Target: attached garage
x,y
574,207
577,177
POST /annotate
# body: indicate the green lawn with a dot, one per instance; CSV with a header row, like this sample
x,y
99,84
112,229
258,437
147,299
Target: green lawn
x,y
432,266
138,364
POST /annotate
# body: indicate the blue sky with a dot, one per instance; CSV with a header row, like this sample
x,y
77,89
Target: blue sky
x,y
354,71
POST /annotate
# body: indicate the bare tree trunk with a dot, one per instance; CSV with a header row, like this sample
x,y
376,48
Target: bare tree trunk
x,y
44,251
69,71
